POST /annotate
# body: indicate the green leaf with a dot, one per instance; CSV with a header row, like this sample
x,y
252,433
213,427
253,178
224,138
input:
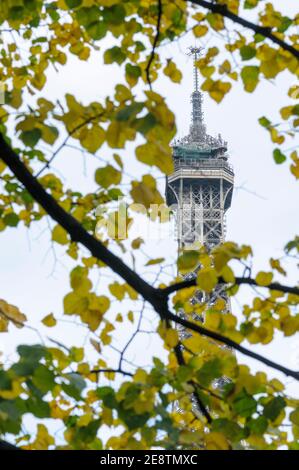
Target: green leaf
x,y
115,54
247,52
38,407
73,3
155,261
43,378
97,30
129,112
75,386
133,72
107,176
144,125
107,395
286,22
278,156
264,121
30,138
30,357
209,371
273,408
11,219
258,426
88,16
294,417
5,381
115,14
230,429
131,419
244,404
188,260
32,353
250,77
249,4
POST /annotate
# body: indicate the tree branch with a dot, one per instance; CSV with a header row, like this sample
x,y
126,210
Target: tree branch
x,y
70,224
155,297
223,339
147,70
70,134
264,31
7,446
114,371
199,403
238,281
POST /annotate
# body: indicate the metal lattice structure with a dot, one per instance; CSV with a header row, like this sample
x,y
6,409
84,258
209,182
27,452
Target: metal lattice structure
x,y
200,188
200,192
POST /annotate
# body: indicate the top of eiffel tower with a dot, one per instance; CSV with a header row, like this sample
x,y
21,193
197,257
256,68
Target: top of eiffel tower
x,y
198,137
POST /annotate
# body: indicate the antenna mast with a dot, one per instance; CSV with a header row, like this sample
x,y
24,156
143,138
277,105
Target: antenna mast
x,y
197,128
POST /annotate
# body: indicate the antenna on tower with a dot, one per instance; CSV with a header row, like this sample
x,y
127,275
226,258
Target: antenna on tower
x,y
195,52
197,128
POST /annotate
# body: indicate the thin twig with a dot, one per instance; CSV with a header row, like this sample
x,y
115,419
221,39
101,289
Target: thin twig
x,y
147,70
238,281
264,31
114,371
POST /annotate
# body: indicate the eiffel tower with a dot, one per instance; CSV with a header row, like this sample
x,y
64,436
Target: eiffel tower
x,y
200,188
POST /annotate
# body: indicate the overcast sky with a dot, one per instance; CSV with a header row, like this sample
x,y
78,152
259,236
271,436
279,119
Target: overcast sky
x,y
264,210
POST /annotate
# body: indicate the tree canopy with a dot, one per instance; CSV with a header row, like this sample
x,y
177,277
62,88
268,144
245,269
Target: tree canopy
x,y
174,402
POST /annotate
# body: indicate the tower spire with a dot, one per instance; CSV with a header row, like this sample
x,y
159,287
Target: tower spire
x,y
197,127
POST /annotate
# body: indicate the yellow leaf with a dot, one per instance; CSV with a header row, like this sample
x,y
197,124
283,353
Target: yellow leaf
x,y
216,21
200,30
49,320
155,154
136,243
263,278
216,441
212,320
118,133
74,304
289,325
59,235
96,345
145,192
207,279
188,261
11,313
225,67
277,385
84,420
250,77
14,391
2,166
43,439
105,337
140,376
295,167
217,89
228,274
172,72
92,139
118,290
131,316
107,176
171,338
155,261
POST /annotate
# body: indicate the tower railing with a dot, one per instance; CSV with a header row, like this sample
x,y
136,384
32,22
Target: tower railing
x,y
193,163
